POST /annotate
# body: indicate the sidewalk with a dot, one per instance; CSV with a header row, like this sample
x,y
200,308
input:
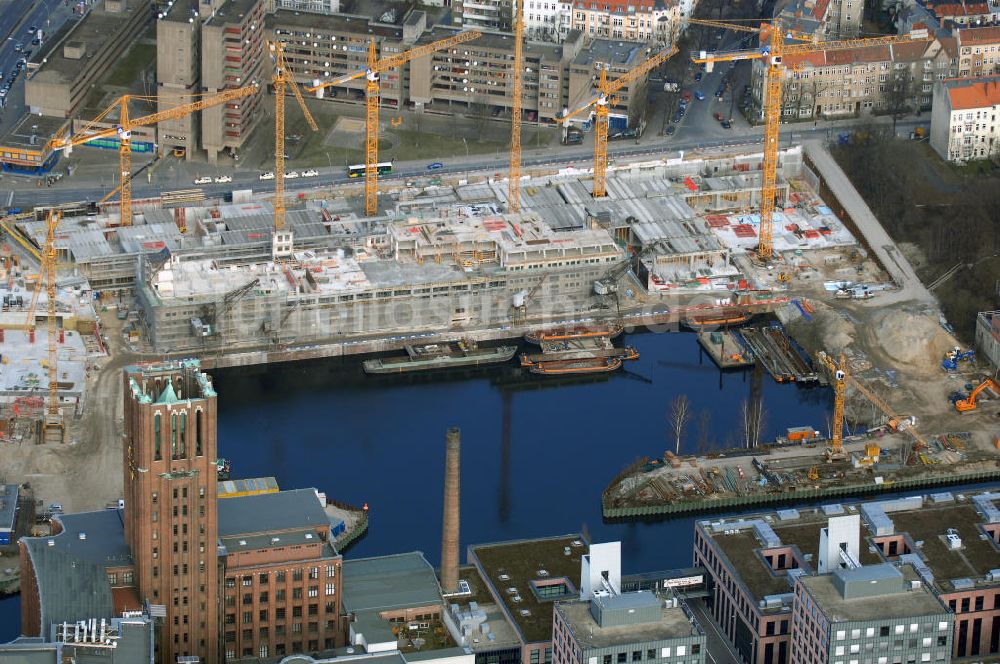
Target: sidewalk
x,y
902,273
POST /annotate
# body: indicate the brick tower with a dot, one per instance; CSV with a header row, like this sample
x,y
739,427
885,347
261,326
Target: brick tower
x,y
171,521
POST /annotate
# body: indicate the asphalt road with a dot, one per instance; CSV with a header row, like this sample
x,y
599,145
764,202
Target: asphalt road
x,y
89,187
719,649
16,16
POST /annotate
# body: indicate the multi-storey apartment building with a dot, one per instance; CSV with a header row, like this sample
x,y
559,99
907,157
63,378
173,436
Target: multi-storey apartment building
x,y
233,54
640,21
964,123
830,84
824,19
978,51
473,77
548,20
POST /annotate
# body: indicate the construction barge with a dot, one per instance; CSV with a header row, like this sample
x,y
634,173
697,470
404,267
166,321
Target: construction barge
x,y
779,354
726,348
579,350
789,473
427,357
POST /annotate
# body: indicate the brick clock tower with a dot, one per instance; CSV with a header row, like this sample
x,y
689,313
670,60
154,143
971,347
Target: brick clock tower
x,y
171,520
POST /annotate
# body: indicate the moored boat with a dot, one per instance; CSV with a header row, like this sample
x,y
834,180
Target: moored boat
x,y
720,319
426,357
610,330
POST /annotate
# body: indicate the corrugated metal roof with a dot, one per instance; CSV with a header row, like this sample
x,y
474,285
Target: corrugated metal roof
x,y
387,582
285,510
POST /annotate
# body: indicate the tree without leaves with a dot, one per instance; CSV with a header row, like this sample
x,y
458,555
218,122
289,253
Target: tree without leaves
x,y
704,430
899,94
679,416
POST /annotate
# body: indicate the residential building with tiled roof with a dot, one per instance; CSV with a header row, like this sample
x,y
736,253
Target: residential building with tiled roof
x,y
978,51
849,82
964,123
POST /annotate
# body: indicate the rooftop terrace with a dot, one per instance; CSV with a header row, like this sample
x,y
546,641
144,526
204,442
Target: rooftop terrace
x,y
511,567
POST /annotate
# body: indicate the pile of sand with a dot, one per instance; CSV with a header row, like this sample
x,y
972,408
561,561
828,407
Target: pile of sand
x,y
837,333
912,339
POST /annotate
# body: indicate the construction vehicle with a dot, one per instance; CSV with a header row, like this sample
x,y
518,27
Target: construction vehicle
x,y
282,80
372,74
956,355
601,105
123,130
514,177
772,51
968,404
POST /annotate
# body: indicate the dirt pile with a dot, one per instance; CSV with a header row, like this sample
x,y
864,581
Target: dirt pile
x,y
912,339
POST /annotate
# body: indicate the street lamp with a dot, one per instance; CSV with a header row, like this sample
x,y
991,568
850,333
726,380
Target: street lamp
x,y
330,162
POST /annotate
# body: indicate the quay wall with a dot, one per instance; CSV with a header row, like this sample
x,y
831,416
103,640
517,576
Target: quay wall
x,y
626,513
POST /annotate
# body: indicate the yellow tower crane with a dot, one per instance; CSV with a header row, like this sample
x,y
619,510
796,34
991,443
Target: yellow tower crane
x,y
283,80
53,418
123,130
838,371
601,109
372,74
517,102
772,51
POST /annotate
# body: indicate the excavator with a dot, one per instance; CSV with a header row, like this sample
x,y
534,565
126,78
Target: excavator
x,y
968,404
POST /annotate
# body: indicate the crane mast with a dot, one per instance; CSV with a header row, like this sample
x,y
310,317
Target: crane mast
x,y
372,76
773,54
123,130
283,80
514,178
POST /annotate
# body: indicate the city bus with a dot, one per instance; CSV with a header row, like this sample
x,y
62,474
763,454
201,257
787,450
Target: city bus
x,y
358,170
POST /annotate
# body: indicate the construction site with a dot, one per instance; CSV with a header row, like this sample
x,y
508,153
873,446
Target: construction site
x,y
704,239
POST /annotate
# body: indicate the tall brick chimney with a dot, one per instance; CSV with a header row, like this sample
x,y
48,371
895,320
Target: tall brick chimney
x,y
449,531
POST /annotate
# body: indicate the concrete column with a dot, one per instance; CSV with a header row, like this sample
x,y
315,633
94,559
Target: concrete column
x,y
449,531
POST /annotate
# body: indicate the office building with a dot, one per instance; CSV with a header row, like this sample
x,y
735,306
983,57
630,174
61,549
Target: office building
x,y
950,540
879,613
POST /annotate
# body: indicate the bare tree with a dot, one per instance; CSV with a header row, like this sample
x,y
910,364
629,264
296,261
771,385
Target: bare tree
x,y
753,422
899,94
679,416
479,111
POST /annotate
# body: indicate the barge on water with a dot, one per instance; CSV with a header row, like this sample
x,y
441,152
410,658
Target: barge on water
x,y
593,361
724,318
426,357
609,331
726,349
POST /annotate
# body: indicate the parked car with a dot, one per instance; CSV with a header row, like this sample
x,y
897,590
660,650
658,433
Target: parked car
x,y
267,176
291,175
18,47
717,116
697,77
699,95
436,165
727,125
222,179
36,41
203,180
311,173
671,130
686,96
55,507
32,29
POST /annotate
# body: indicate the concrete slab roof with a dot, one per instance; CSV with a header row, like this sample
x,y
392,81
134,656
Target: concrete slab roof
x,y
673,623
398,581
912,602
97,27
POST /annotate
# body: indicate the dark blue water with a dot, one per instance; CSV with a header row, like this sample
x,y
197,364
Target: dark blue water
x,y
538,471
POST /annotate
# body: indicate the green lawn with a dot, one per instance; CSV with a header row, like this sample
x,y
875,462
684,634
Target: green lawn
x,y
138,58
